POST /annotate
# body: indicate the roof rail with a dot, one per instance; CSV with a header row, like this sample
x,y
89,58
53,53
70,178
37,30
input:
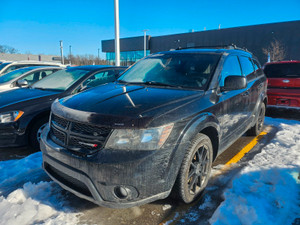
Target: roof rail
x,y
230,46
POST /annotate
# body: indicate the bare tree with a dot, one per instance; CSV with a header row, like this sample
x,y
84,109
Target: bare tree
x,y
81,60
8,49
276,50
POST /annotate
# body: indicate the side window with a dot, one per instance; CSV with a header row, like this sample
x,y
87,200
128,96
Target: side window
x,y
231,67
247,65
14,68
256,64
46,73
99,78
32,77
118,72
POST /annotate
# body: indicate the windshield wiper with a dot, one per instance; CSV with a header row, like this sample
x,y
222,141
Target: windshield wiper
x,y
153,83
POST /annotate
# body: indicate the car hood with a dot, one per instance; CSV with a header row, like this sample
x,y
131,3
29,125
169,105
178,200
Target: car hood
x,y
124,105
15,96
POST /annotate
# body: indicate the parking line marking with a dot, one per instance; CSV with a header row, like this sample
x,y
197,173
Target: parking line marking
x,y
234,159
246,149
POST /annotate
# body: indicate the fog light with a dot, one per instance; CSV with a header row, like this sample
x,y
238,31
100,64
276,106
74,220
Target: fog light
x,y
122,192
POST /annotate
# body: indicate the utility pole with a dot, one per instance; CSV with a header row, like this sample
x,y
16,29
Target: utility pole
x,y
98,53
61,52
117,34
145,42
70,54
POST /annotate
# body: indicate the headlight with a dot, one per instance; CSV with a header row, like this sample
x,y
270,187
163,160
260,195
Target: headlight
x,y
140,139
8,117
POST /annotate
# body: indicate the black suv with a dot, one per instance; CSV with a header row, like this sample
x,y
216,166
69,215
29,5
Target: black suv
x,y
157,129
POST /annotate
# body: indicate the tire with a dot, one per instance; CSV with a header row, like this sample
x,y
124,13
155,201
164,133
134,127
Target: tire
x,y
35,132
195,169
258,127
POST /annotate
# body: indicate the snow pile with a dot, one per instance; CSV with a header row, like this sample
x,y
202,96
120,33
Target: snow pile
x,y
14,173
267,190
41,203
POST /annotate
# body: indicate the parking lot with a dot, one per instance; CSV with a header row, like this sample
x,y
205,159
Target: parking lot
x,y
165,211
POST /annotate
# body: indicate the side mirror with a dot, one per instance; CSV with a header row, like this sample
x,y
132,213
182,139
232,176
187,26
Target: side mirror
x,y
234,83
22,83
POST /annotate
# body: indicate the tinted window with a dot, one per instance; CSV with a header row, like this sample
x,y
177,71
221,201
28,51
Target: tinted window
x,y
247,66
231,67
11,68
186,70
100,78
256,64
282,70
3,65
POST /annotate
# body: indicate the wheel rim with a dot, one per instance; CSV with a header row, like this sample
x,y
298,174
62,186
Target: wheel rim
x,y
198,171
39,132
260,120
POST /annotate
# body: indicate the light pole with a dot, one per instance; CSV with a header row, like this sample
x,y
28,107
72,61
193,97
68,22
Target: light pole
x,y
70,54
61,52
98,53
117,34
145,43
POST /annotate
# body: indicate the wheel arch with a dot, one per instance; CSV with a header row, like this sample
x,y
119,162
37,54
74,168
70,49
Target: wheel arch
x,y
213,135
205,123
35,118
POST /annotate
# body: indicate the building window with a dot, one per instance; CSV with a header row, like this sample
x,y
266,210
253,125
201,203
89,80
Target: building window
x,y
126,58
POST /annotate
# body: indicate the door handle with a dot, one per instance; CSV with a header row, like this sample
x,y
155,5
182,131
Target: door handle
x,y
260,86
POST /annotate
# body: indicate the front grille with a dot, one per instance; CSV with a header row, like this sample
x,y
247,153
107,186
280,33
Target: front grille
x,y
59,121
79,138
58,135
90,130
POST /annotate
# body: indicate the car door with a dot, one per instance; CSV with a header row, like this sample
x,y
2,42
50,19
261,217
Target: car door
x,y
235,102
252,93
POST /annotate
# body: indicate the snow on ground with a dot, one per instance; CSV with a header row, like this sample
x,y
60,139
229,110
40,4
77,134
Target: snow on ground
x,y
23,202
267,189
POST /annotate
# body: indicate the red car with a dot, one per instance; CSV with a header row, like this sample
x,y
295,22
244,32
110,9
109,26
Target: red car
x,y
283,84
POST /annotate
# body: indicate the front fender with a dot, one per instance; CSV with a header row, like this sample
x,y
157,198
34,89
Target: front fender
x,y
195,126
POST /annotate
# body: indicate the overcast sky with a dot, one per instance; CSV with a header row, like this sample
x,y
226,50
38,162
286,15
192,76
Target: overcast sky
x,y
37,26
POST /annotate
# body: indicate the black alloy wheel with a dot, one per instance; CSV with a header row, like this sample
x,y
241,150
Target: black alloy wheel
x,y
195,169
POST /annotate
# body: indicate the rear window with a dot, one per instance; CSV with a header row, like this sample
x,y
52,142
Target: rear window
x,y
282,70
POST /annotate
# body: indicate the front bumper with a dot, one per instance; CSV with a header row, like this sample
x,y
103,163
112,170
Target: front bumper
x,y
144,176
11,135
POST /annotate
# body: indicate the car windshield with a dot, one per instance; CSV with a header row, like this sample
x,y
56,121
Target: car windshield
x,y
13,74
282,70
181,70
3,65
60,80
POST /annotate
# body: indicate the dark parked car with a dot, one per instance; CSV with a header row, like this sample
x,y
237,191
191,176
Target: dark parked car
x,y
283,84
25,112
158,128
